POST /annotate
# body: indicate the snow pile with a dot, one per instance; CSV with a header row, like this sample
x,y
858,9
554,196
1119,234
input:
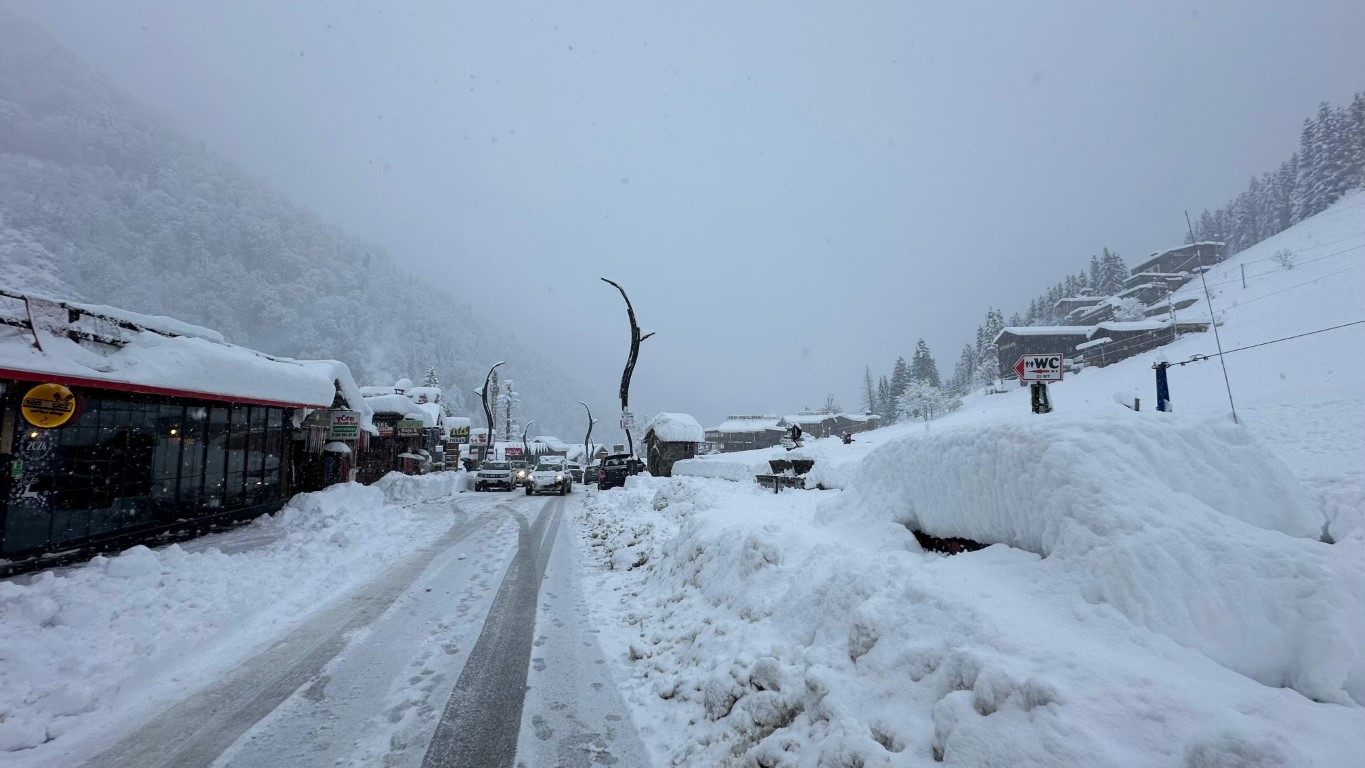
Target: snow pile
x,y
1181,526
409,489
748,633
79,644
676,428
835,462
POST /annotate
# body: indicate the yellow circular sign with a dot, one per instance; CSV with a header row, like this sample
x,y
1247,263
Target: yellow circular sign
x,y
48,405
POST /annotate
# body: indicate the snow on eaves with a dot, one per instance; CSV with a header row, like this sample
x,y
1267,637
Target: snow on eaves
x,y
676,428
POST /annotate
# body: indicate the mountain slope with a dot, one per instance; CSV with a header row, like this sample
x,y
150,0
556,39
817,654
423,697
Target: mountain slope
x,y
99,201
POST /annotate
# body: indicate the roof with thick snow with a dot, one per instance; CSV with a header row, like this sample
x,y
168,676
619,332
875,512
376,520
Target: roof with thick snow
x,y
96,346
748,424
395,404
1092,343
676,428
552,442
1129,326
1044,330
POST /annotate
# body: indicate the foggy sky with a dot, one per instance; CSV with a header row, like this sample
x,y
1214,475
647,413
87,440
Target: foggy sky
x,y
788,191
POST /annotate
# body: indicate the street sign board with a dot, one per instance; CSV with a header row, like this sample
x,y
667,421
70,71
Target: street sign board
x,y
409,427
627,421
345,425
1041,367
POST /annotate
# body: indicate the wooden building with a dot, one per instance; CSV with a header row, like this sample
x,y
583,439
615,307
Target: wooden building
x,y
1015,342
671,437
745,433
1186,258
115,427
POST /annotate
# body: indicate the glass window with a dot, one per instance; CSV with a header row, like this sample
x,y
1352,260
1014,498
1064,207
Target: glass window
x,y
193,434
236,457
215,463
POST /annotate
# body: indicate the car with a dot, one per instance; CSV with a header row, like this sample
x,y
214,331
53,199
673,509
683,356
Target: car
x,y
614,471
521,473
590,473
577,471
494,474
550,475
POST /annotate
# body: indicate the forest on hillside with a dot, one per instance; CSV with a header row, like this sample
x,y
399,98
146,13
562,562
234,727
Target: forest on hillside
x,y
102,202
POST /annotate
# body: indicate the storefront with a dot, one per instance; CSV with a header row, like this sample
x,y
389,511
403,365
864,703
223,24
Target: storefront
x,y
112,431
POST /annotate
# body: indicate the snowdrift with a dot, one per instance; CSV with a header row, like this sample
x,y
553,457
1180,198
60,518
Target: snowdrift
x,y
1191,530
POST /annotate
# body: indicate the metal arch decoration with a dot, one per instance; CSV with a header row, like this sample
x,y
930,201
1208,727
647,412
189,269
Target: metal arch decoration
x,y
635,339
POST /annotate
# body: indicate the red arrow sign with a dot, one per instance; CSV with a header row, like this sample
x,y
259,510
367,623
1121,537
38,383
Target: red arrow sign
x,y
1044,367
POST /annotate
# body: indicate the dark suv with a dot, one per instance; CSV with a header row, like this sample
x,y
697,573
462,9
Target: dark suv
x,y
616,468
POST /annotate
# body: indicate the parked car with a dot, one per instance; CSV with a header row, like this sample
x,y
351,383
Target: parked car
x,y
576,470
590,473
494,474
550,475
521,473
614,471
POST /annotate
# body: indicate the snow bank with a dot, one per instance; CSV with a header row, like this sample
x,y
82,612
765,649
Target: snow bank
x,y
746,633
1191,530
78,644
675,428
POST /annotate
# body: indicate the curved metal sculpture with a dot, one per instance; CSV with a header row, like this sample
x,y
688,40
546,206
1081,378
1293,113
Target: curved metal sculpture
x,y
488,413
587,439
526,449
635,339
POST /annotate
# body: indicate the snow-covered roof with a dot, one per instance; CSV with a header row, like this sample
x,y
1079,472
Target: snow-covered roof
x,y
1127,326
1043,330
158,355
432,394
748,424
373,391
396,404
552,442
1092,343
808,418
1074,299
676,428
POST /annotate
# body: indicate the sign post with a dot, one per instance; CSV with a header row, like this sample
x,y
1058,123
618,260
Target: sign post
x,y
1038,370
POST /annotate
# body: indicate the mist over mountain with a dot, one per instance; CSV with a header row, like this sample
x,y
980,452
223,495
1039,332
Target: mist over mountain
x,y
101,201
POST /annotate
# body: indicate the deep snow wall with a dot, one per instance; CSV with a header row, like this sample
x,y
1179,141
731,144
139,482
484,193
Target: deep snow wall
x,y
1190,529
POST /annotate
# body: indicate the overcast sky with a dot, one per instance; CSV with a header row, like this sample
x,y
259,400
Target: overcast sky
x,y
787,190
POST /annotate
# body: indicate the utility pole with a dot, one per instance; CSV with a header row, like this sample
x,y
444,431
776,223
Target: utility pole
x,y
627,419
1213,320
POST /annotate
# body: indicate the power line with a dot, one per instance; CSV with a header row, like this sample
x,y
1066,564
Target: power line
x,y
1202,358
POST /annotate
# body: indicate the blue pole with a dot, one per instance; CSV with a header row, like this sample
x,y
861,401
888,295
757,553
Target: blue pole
x,y
1163,390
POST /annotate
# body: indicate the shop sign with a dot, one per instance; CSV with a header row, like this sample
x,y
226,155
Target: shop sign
x,y
409,427
510,452
48,405
345,425
385,430
459,435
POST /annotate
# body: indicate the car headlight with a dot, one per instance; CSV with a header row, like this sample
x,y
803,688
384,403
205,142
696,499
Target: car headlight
x,y
559,477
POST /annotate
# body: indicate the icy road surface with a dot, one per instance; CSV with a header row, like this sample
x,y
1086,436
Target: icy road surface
x,y
442,660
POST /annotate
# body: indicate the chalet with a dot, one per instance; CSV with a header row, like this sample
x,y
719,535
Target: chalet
x,y
1065,307
744,433
1172,280
115,427
1114,341
671,437
1186,258
1015,342
1145,293
831,424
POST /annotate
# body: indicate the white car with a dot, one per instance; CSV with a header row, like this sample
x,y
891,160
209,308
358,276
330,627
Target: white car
x,y
550,476
494,474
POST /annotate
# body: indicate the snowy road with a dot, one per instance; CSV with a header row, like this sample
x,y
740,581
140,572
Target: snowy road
x,y
426,665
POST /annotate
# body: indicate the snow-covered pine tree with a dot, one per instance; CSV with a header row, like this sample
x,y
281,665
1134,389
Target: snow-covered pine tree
x,y
900,379
964,373
1282,194
1310,174
884,399
869,391
431,379
1113,273
511,412
1355,145
1095,277
922,366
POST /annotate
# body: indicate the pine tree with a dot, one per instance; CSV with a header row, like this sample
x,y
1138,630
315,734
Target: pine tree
x,y
431,379
1113,273
964,373
884,399
870,393
1310,171
922,366
1355,144
1095,278
1282,195
511,412
900,379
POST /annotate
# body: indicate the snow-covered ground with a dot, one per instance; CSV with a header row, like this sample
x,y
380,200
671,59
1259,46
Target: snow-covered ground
x,y
1157,593
110,642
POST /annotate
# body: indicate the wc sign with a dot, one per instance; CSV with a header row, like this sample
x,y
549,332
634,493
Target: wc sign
x,y
1044,367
